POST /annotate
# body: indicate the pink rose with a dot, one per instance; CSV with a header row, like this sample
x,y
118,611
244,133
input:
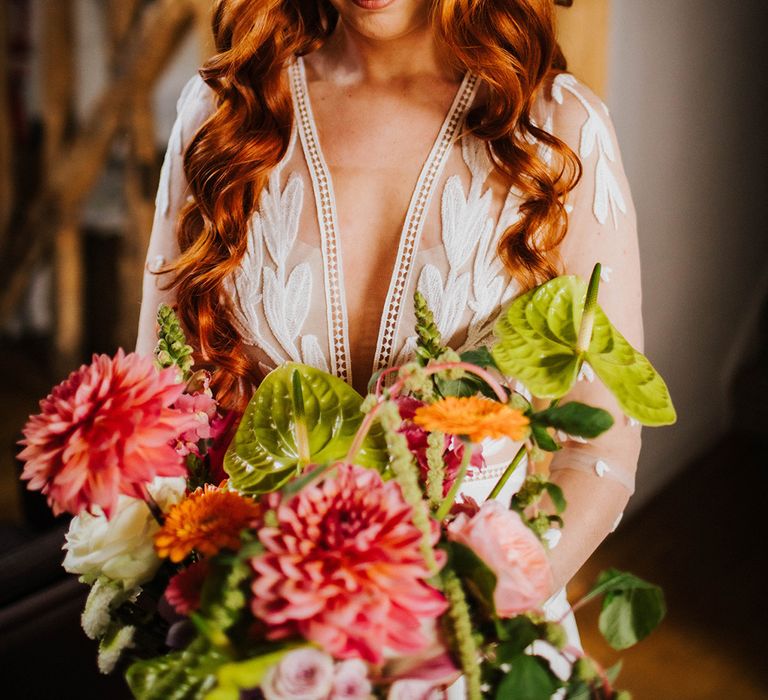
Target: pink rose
x,y
304,674
510,549
350,681
414,689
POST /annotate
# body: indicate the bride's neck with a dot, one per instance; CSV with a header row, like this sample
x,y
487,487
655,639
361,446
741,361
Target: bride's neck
x,y
350,57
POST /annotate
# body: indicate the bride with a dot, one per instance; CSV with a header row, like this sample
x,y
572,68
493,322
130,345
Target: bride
x,y
337,155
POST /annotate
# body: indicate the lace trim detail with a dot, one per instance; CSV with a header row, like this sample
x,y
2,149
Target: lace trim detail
x,y
326,218
414,222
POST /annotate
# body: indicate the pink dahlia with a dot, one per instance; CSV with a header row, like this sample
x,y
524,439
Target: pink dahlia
x,y
107,429
343,568
417,444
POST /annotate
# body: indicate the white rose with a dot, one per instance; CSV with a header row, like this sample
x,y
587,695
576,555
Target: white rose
x,y
122,549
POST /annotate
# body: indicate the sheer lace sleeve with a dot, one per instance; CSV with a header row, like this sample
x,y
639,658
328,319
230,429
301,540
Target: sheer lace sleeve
x,y
194,106
602,228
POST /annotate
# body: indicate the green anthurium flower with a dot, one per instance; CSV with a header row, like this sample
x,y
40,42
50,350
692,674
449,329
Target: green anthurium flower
x,y
546,334
277,437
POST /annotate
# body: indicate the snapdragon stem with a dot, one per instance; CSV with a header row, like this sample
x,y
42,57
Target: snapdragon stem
x,y
507,473
154,508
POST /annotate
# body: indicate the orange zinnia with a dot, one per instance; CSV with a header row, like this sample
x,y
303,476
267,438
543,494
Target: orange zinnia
x,y
207,521
475,417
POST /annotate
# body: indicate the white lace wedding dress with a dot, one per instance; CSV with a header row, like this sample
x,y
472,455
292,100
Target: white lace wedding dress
x,y
290,294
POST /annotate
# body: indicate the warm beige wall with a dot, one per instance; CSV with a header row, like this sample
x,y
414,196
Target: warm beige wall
x,y
583,35
685,91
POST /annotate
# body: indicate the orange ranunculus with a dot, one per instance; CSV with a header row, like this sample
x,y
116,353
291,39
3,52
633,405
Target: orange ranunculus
x,y
475,417
207,521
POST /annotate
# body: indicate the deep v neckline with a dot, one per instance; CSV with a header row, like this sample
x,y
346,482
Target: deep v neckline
x,y
327,217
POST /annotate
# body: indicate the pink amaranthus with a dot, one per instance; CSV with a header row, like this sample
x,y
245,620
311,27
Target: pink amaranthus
x,y
343,568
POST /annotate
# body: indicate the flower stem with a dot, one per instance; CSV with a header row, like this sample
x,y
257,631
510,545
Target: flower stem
x,y
362,431
450,499
154,508
507,473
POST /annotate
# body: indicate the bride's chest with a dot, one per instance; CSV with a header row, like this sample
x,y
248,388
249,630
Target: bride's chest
x,y
346,232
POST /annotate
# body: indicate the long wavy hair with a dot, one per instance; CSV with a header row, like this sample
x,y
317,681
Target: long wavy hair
x,y
510,45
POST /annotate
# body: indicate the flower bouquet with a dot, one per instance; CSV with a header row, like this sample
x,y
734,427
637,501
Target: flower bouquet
x,y
318,548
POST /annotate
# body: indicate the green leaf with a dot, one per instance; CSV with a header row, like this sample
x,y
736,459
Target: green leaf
x,y
537,344
264,454
180,675
517,634
480,356
478,579
631,610
543,439
576,419
630,616
529,678
556,494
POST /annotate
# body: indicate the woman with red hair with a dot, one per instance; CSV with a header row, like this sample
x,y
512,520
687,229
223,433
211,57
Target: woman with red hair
x,y
334,156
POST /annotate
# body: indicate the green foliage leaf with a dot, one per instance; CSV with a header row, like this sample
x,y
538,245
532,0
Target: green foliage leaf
x,y
556,495
180,675
537,344
517,634
543,439
632,608
529,678
264,453
575,418
469,384
477,578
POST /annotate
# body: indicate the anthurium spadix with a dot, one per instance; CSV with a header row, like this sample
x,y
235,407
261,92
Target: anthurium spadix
x,y
546,334
298,415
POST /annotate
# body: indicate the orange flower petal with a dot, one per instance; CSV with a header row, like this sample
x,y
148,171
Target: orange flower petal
x,y
475,417
207,521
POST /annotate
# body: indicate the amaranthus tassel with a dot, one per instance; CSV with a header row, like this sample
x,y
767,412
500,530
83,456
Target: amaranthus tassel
x,y
461,624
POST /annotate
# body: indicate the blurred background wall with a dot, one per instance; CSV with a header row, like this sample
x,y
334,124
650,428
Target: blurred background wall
x,y
684,80
687,93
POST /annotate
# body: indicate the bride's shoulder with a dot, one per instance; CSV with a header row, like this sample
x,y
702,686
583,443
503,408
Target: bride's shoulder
x,y
196,102
565,105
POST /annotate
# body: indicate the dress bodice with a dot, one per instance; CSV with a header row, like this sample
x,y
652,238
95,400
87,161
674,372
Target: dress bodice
x,y
289,296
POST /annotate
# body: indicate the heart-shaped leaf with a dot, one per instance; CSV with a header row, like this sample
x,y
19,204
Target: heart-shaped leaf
x,y
538,344
529,677
264,453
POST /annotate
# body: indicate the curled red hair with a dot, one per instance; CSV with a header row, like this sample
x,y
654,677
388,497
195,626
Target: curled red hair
x,y
511,46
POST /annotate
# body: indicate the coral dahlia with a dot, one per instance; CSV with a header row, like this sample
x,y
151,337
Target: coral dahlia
x,y
475,417
207,521
343,568
108,429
